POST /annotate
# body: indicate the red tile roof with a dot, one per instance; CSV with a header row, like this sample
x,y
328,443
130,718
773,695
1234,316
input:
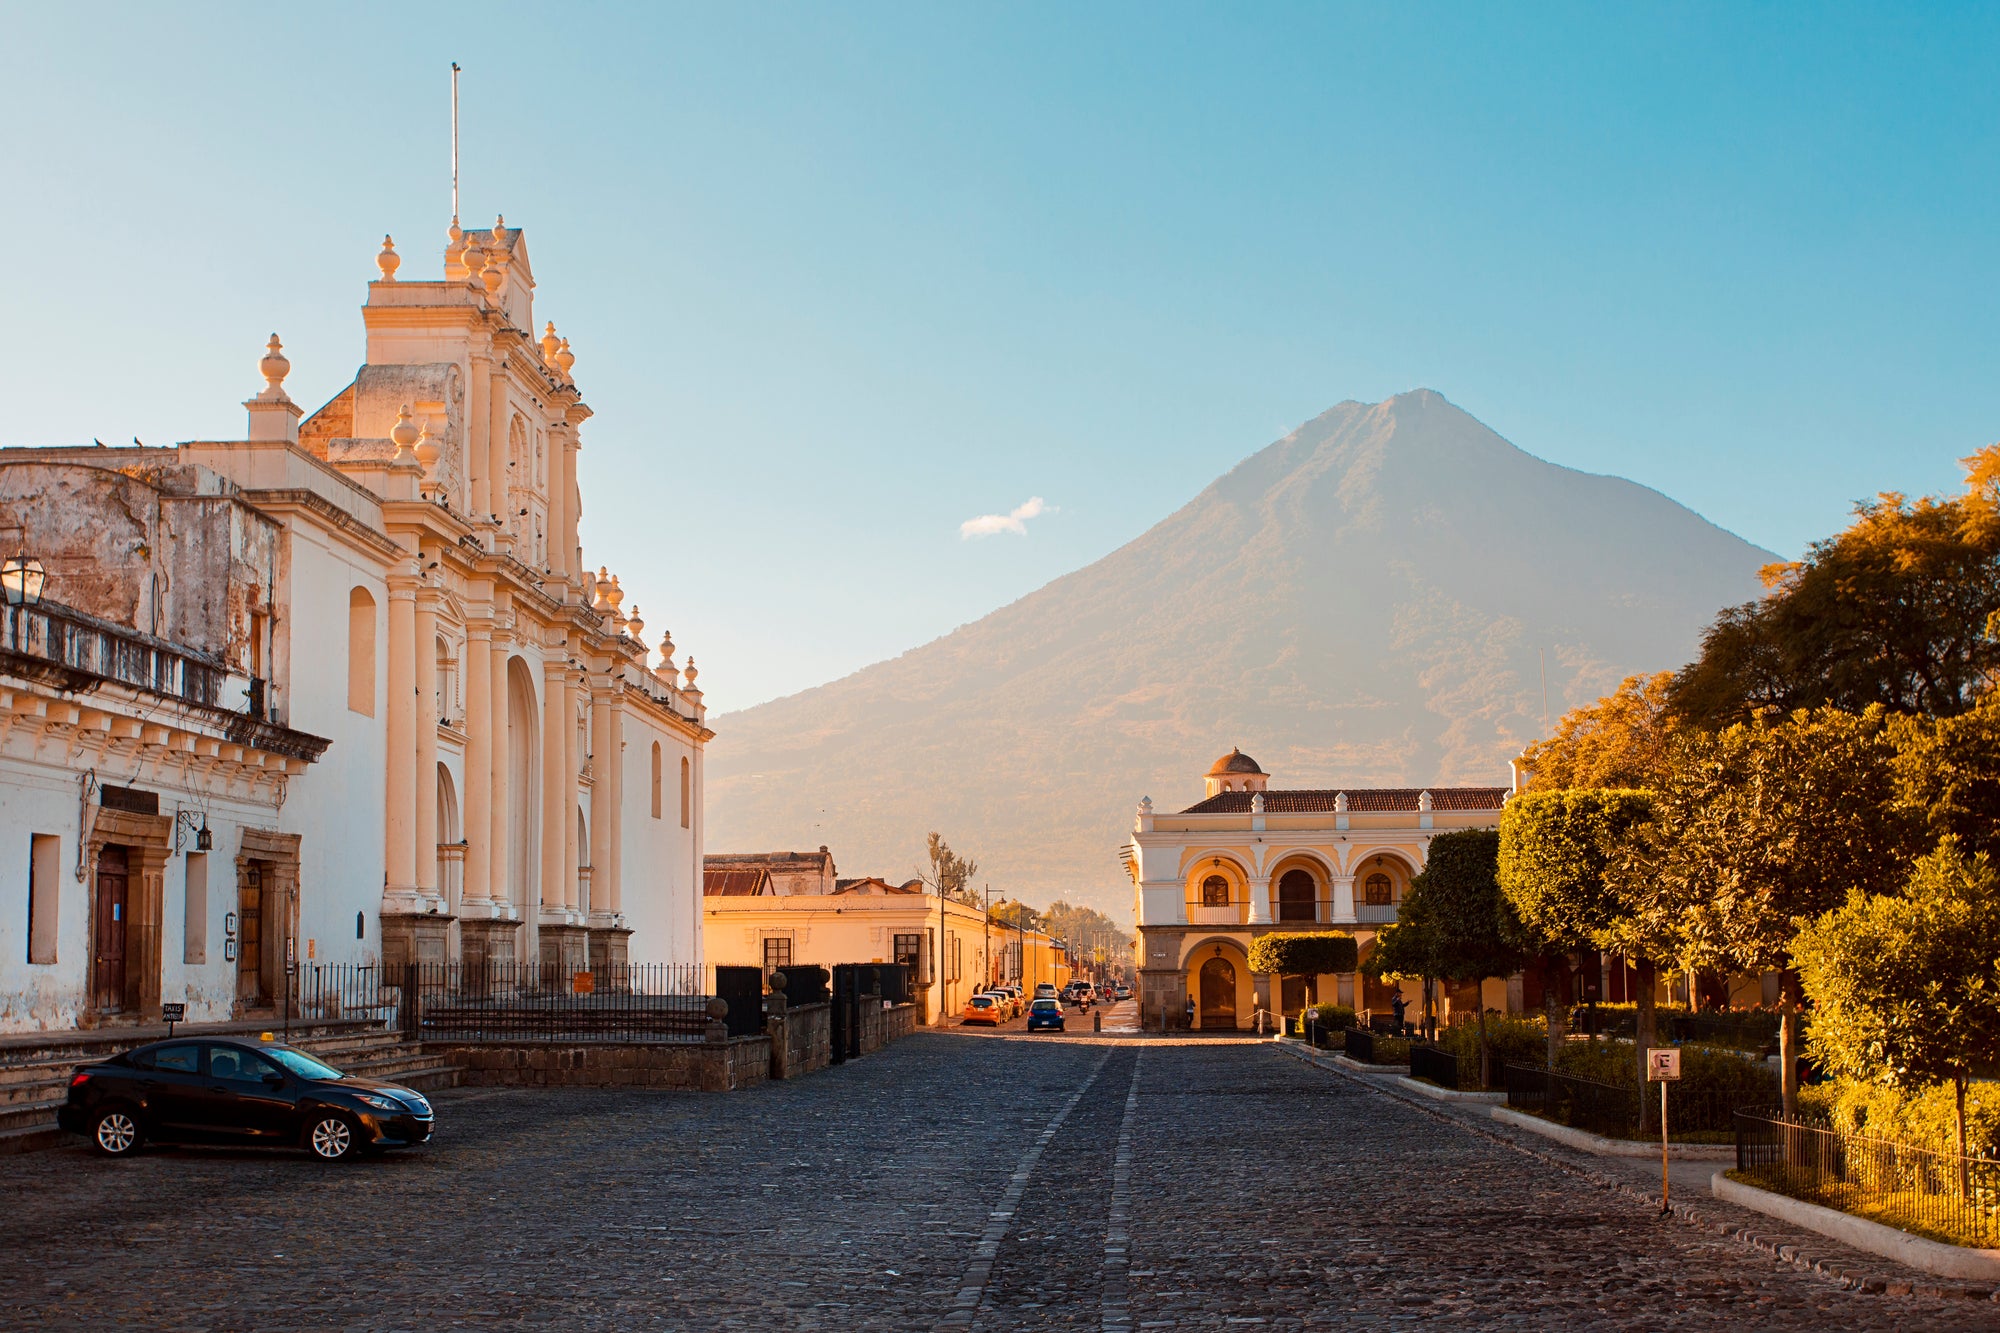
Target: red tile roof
x,y
735,883
1359,800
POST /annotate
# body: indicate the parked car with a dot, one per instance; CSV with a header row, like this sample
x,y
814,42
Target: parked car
x,y
1124,991
1004,1001
1045,1012
983,1009
229,1091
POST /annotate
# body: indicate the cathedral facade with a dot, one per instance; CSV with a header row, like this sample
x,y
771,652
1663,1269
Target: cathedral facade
x,y
343,689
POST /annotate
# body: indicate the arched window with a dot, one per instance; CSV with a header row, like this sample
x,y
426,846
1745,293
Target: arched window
x,y
1298,896
447,682
687,792
656,779
1215,892
1378,888
361,652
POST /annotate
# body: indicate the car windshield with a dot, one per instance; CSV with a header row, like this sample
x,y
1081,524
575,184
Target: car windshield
x,y
1047,1004
300,1063
981,1002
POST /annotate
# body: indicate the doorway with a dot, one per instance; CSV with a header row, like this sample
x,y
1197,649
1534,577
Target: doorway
x,y
113,906
1218,994
252,989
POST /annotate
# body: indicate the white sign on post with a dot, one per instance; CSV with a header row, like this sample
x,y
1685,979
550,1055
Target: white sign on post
x,y
1663,1064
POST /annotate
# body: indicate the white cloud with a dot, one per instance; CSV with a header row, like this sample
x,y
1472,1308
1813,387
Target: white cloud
x,y
1016,522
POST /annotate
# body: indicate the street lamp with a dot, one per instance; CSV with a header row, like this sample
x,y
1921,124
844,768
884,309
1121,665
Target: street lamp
x,y
21,578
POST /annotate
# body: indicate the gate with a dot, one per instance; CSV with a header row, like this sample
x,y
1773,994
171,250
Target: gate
x,y
742,988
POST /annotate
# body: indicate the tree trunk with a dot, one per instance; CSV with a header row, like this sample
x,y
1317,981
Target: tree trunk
x,y
1791,992
1964,1176
1486,1050
1554,1006
1645,1032
1430,1009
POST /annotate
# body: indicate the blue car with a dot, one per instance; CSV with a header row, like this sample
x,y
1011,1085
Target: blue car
x,y
1045,1014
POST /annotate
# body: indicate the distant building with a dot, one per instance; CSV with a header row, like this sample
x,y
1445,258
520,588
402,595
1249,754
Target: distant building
x,y
341,690
790,872
747,920
1248,860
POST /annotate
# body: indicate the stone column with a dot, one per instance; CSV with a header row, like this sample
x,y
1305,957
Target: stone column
x,y
400,858
500,843
476,899
601,797
1343,899
424,784
572,503
615,900
573,854
559,519
1260,902
557,726
479,448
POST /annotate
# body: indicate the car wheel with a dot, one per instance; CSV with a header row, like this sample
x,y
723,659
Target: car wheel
x,y
332,1138
115,1132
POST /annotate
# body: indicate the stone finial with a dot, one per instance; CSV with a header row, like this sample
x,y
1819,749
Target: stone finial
x,y
405,434
274,367
473,257
1145,805
1424,802
667,652
1340,802
500,230
690,675
616,596
427,451
634,626
550,342
388,260
1257,803
454,252
600,600
565,359
495,276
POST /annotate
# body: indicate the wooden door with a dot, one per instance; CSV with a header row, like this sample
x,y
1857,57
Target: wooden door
x,y
1218,993
250,990
108,959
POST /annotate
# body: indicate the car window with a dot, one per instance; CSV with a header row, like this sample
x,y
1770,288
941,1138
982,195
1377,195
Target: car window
x,y
228,1062
302,1064
1046,1004
174,1059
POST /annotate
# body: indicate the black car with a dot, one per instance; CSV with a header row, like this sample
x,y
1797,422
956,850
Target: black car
x,y
226,1091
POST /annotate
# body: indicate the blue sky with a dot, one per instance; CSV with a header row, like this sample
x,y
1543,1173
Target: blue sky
x,y
841,278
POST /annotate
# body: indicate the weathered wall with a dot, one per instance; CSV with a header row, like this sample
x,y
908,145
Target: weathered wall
x,y
801,1040
721,1066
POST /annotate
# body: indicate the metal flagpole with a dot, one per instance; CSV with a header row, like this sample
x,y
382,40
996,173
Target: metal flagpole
x,y
454,143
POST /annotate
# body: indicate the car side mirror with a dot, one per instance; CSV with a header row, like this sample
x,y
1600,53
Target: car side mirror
x,y
274,1079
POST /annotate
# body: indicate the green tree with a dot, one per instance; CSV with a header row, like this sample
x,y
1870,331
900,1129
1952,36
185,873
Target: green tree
x,y
1894,610
1563,869
1303,954
950,874
1762,826
1905,988
1618,742
1948,774
1471,934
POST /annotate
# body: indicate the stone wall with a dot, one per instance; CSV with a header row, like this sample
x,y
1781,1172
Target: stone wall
x,y
713,1066
801,1040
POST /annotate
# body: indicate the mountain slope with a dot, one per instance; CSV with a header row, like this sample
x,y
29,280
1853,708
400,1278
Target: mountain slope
x,y
1368,601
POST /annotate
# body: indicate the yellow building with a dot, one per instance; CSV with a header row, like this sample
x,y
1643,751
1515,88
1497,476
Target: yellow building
x,y
1247,860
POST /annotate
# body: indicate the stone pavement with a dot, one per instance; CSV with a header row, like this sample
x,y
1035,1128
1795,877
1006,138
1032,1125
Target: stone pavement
x,y
1053,1182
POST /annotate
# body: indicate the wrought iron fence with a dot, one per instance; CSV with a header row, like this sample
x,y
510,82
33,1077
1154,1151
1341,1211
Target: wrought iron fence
x,y
1435,1064
1581,1103
512,1001
1939,1194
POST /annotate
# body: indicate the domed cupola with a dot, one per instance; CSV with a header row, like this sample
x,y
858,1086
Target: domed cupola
x,y
1236,771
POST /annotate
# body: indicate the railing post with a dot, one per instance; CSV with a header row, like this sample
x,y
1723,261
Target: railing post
x,y
412,1021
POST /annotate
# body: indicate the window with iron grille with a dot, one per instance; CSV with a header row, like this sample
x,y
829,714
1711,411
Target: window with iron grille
x,y
1378,889
1215,892
909,952
777,953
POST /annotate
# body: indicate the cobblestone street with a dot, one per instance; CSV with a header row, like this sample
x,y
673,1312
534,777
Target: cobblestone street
x,y
945,1182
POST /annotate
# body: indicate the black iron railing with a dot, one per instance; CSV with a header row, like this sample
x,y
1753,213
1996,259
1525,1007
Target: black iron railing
x,y
1936,1194
1608,1109
1435,1065
644,1002
70,640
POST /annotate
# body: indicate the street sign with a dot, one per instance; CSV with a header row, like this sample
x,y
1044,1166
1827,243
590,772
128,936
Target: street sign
x,y
583,983
172,1014
1663,1064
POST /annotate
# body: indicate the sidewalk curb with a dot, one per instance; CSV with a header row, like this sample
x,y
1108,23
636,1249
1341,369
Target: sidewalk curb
x,y
1961,1263
1459,1095
1786,1251
1600,1146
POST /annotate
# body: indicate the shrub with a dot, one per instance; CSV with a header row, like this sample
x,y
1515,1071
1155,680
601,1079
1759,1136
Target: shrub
x,y
1303,953
1923,1118
1336,1017
1515,1040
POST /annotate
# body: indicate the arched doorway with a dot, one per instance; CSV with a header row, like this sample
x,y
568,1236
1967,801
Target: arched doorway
x,y
1217,1004
524,800
1298,896
450,842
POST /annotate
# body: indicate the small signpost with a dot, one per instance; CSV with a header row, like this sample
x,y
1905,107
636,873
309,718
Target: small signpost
x,y
173,1013
1663,1066
583,983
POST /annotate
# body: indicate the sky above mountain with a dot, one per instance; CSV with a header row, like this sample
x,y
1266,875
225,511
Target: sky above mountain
x,y
1391,595
892,313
